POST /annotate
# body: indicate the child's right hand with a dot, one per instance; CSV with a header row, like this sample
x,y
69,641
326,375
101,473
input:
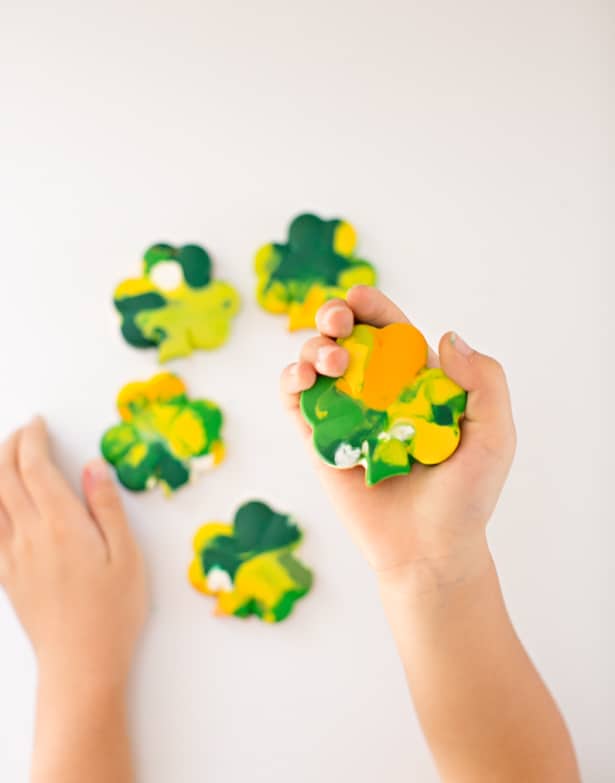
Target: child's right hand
x,y
74,574
435,517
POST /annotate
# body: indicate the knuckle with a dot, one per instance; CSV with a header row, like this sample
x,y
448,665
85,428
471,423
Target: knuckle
x,y
22,548
129,559
289,370
30,463
58,530
495,366
333,305
313,344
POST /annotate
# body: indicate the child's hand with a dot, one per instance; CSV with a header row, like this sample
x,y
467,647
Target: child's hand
x,y
436,515
74,574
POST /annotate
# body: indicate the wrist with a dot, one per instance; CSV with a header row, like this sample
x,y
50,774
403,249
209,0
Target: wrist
x,y
81,704
83,685
81,724
436,575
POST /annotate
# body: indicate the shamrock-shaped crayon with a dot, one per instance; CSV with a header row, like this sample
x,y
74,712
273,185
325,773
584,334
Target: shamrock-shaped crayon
x,y
164,437
250,565
175,304
316,263
388,410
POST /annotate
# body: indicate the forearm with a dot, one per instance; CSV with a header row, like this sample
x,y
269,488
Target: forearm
x,y
486,713
81,733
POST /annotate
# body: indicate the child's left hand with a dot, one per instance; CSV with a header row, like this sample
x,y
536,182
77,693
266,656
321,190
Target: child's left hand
x,y
74,574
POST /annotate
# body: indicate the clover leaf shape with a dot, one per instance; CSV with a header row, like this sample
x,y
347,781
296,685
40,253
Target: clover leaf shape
x,y
315,264
250,566
165,437
388,410
175,304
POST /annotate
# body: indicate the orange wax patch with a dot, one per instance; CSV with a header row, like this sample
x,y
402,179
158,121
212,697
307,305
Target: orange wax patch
x,y
398,353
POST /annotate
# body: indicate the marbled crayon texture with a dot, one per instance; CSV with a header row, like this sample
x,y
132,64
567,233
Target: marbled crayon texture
x,y
388,410
176,305
316,263
250,566
164,437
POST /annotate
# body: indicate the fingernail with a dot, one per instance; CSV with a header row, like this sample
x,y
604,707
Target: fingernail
x,y
460,345
293,378
98,470
331,313
323,354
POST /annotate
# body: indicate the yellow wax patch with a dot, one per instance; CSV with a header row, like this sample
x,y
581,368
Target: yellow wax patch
x,y
302,315
442,388
218,450
408,411
265,259
432,443
229,603
274,299
344,239
197,578
187,436
209,531
359,346
164,386
361,274
136,453
263,578
392,451
134,287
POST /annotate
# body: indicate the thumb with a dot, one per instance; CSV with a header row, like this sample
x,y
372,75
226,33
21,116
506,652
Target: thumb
x,y
105,505
488,406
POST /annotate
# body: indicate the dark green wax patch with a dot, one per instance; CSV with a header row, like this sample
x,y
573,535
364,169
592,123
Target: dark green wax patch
x,y
193,259
157,462
222,552
135,474
257,529
442,414
309,256
172,471
196,264
129,307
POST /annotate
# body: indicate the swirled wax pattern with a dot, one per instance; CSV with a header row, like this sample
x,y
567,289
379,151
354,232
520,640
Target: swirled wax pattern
x,y
175,305
250,566
388,410
316,263
164,437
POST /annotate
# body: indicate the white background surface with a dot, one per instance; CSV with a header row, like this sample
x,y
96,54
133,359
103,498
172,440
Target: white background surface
x,y
469,143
